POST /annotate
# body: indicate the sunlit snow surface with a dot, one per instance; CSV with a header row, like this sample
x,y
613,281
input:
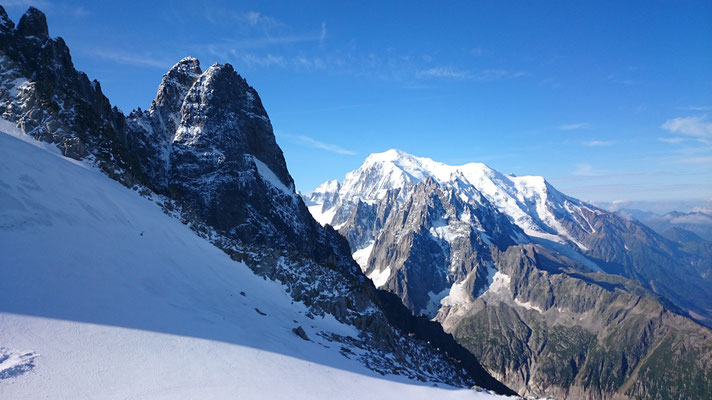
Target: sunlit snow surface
x,y
103,296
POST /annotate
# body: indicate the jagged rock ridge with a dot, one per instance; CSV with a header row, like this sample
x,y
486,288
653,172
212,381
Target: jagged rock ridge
x,y
206,152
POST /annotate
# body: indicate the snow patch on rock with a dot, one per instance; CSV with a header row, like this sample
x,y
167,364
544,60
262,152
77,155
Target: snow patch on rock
x,y
380,278
271,178
361,256
15,363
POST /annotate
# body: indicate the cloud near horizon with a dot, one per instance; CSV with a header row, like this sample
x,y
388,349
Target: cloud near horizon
x,y
698,127
121,57
317,144
574,126
584,169
598,143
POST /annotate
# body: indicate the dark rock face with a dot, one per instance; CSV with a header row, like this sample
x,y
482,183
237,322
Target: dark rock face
x,y
553,330
153,129
33,23
299,331
49,100
628,248
223,112
207,142
6,24
426,238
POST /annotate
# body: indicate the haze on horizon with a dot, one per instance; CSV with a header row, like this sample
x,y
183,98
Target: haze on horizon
x,y
608,101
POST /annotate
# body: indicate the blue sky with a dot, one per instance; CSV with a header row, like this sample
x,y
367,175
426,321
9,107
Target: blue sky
x,y
608,100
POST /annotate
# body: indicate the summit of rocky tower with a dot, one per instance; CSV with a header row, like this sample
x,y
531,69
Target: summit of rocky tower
x,y
6,24
173,89
207,141
48,99
33,23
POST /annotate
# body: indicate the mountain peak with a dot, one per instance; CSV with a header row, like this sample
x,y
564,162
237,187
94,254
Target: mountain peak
x,y
217,70
409,162
186,66
392,156
6,23
175,85
330,186
33,23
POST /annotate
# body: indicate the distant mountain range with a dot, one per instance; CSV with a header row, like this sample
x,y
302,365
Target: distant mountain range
x,y
675,225
555,296
409,271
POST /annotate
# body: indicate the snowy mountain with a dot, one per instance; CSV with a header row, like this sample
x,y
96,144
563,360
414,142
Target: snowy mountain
x,y
546,290
532,204
204,274
600,240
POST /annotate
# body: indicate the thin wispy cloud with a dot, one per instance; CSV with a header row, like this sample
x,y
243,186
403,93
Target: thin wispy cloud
x,y
258,30
80,12
248,20
671,139
620,81
697,160
256,19
250,60
696,108
127,58
253,43
485,75
598,143
48,7
700,153
317,144
309,63
444,72
322,36
574,126
698,127
488,75
584,169
586,172
25,3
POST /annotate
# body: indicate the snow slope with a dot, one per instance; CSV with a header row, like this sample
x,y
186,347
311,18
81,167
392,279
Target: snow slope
x,y
102,295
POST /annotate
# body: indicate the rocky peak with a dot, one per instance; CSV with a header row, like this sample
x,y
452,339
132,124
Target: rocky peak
x,y
33,23
6,24
221,112
58,104
175,85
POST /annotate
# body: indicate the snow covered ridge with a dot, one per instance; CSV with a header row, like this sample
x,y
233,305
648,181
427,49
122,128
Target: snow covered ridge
x,y
529,201
474,199
142,307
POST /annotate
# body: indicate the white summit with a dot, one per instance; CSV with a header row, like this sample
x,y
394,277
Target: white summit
x,y
528,201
